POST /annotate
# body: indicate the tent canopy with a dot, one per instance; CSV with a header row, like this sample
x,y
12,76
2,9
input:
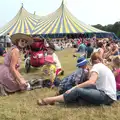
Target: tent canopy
x,y
23,22
62,21
59,22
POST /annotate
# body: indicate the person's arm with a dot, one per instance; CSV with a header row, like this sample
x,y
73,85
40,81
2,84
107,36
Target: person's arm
x,y
52,73
115,73
101,52
14,60
114,51
92,80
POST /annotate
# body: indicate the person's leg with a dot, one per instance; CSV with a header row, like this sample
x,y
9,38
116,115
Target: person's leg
x,y
90,95
71,97
51,100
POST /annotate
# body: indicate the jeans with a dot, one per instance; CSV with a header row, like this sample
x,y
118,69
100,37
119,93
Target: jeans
x,y
87,95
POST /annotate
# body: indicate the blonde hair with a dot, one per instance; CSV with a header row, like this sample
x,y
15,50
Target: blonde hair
x,y
116,61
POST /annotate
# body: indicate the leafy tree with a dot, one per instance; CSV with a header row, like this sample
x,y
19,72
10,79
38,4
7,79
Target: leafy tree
x,y
110,28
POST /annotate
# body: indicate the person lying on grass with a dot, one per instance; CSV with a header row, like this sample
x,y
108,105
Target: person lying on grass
x,y
99,89
77,77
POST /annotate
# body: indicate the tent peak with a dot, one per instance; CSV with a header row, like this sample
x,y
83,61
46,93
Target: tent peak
x,y
62,1
21,5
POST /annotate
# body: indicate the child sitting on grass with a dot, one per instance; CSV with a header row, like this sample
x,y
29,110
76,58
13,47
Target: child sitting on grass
x,y
49,70
116,67
59,69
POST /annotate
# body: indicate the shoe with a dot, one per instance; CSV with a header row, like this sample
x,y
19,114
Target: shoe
x,y
62,73
2,91
74,56
34,82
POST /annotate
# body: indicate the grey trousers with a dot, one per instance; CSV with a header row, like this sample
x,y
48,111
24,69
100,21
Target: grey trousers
x,y
87,95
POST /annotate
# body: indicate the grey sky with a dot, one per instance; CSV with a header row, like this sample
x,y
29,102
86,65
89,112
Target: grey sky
x,y
88,11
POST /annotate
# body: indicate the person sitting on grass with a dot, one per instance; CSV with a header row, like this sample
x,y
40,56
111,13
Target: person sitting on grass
x,y
49,70
116,71
81,50
100,49
10,78
99,89
59,70
77,77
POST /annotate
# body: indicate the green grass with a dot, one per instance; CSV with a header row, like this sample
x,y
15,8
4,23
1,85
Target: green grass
x,y
22,106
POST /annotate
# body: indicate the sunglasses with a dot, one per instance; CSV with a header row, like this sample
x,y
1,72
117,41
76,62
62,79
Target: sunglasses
x,y
25,41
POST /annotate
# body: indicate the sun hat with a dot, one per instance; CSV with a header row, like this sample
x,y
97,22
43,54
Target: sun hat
x,y
49,58
18,36
81,61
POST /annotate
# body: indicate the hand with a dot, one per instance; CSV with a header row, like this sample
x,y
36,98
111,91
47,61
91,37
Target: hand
x,y
68,91
23,84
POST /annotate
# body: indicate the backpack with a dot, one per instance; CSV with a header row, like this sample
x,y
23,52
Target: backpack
x,y
37,59
37,46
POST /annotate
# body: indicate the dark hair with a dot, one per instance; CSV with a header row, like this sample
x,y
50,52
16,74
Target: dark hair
x,y
116,42
89,44
108,44
16,42
51,45
100,44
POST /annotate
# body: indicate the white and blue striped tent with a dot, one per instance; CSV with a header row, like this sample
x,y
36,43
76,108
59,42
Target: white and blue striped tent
x,y
59,22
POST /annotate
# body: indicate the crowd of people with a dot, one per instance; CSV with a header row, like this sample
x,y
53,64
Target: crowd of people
x,y
103,81
96,80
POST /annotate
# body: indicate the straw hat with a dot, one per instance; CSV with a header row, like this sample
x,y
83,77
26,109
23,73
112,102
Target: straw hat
x,y
19,36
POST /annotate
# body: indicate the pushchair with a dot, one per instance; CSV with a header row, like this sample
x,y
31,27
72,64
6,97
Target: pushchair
x,y
35,55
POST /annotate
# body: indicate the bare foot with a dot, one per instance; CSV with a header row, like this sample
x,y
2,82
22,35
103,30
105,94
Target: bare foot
x,y
46,101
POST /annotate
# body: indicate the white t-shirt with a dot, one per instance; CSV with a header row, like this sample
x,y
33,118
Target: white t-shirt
x,y
58,64
106,80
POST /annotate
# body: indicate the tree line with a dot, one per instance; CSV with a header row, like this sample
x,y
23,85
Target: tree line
x,y
110,28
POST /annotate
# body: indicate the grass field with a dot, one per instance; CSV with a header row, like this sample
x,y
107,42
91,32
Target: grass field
x,y
22,106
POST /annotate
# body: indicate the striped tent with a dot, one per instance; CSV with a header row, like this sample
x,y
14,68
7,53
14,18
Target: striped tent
x,y
23,22
62,21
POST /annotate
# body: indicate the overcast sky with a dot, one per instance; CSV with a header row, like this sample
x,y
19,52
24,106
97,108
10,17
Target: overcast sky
x,y
88,11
